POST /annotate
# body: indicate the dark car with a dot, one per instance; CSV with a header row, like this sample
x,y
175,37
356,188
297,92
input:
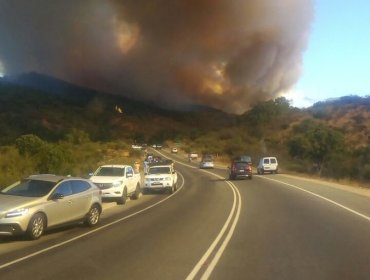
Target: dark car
x,y
241,168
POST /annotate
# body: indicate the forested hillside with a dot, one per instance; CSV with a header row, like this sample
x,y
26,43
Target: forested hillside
x,y
63,128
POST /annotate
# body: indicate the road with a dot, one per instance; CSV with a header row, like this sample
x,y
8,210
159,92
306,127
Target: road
x,y
271,227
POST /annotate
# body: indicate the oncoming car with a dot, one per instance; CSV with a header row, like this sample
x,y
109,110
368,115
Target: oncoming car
x,y
40,202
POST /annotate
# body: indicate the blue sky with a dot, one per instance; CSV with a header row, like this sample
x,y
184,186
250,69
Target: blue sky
x,y
337,60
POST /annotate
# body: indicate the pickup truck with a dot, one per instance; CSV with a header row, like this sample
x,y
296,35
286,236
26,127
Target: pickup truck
x,y
160,177
117,182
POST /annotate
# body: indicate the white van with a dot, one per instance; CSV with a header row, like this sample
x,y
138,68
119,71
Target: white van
x,y
267,164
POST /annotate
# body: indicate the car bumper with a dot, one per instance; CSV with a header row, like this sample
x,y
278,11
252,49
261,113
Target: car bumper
x,y
111,193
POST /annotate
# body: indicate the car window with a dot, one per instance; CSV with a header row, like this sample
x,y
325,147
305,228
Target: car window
x,y
240,165
29,188
64,188
160,170
266,161
79,186
130,171
111,171
273,160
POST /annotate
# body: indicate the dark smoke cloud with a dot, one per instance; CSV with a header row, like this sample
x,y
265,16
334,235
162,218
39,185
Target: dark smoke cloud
x,y
227,54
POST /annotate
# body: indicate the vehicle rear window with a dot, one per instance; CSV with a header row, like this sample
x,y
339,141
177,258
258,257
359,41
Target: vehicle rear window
x,y
159,170
273,160
240,165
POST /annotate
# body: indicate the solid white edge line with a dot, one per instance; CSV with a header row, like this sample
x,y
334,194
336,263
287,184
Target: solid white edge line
x,y
91,231
322,197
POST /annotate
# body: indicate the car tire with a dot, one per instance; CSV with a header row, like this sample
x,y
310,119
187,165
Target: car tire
x,y
137,192
93,216
36,226
123,198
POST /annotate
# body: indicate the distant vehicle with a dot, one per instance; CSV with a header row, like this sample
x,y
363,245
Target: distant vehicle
x,y
174,150
41,202
206,163
241,167
160,178
136,147
267,164
192,155
117,182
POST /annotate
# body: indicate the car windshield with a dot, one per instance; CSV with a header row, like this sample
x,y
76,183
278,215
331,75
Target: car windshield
x,y
160,170
111,171
29,188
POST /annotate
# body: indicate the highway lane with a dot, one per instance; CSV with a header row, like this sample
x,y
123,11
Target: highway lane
x,y
164,242
287,233
288,228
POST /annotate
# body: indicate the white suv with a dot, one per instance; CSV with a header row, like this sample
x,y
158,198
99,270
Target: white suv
x,y
267,164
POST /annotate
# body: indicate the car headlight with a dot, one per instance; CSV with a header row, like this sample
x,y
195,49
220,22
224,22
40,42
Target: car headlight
x,y
17,213
147,180
117,184
167,178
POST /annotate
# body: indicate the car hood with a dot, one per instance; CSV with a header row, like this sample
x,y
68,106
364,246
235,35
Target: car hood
x,y
8,202
105,179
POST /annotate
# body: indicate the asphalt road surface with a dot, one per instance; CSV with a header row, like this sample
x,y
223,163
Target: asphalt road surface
x,y
271,227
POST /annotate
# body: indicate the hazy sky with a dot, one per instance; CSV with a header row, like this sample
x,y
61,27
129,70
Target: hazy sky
x,y
337,60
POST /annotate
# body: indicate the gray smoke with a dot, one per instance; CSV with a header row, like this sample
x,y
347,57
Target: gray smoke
x,y
227,54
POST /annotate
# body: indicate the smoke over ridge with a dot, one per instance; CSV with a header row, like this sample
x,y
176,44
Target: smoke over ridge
x,y
227,54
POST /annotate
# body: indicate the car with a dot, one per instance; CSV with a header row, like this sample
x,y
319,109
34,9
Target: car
x,y
161,177
117,182
192,155
241,167
174,150
268,164
206,163
40,202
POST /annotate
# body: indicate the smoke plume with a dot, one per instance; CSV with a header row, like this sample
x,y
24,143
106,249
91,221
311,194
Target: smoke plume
x,y
227,54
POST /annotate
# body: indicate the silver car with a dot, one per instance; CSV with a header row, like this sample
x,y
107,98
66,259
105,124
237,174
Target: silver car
x,y
40,202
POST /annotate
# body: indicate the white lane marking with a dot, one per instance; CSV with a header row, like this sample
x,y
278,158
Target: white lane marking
x,y
219,252
92,231
322,197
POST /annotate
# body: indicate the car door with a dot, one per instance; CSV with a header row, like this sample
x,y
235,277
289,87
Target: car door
x,y
60,210
82,197
130,180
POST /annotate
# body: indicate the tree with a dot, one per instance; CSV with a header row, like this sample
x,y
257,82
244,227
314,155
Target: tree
x,y
29,144
315,142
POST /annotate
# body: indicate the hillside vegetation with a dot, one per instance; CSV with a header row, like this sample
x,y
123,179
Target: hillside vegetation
x,y
66,129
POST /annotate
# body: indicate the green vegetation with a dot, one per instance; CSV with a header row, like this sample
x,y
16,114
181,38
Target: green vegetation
x,y
72,134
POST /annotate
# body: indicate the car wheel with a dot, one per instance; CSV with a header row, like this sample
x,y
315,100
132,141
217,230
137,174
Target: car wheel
x,y
137,192
123,198
36,226
171,189
93,216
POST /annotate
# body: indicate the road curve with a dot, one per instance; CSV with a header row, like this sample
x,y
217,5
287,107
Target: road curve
x,y
271,227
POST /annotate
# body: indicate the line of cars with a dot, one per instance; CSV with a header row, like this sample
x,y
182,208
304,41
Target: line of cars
x,y
41,202
241,167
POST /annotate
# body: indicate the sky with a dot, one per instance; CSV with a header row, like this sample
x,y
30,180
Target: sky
x,y
337,60
227,54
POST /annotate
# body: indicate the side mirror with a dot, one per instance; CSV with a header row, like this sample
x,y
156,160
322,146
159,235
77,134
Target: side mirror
x,y
57,196
129,175
91,174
